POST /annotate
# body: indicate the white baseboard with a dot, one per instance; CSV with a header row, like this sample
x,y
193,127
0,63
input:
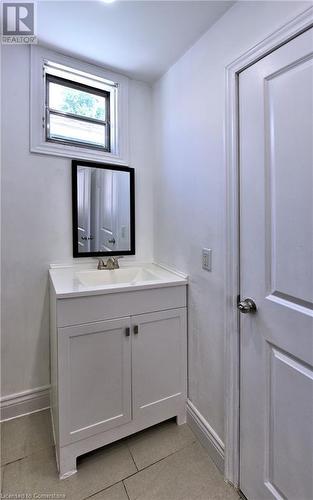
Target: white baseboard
x,y
23,403
206,435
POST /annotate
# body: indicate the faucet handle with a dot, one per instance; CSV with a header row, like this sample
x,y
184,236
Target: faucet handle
x,y
115,260
101,264
118,257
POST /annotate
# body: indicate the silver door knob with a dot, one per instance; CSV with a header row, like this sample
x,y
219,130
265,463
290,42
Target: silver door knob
x,y
112,241
246,306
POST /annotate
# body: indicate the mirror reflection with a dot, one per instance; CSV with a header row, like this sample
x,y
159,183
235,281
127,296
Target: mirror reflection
x,y
103,210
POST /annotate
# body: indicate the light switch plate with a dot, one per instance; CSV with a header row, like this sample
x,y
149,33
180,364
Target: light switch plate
x,y
207,259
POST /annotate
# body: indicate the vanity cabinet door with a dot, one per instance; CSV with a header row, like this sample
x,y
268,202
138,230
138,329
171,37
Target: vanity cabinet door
x,y
159,363
94,378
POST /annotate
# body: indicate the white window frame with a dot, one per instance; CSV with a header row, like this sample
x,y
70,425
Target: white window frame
x,y
119,153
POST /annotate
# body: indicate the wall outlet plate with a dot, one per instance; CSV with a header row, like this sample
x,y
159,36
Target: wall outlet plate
x,y
207,259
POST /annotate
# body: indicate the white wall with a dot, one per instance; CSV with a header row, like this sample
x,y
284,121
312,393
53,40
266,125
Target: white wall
x,y
189,200
36,221
190,195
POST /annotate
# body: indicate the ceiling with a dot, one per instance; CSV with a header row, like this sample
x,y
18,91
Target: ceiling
x,y
141,39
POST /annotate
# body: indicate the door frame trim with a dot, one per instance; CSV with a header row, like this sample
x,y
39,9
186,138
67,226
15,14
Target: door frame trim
x,y
284,34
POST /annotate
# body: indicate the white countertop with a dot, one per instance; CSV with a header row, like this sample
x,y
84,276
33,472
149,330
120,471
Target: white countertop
x,y
65,279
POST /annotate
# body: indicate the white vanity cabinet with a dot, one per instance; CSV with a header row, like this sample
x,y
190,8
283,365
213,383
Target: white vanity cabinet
x,y
118,365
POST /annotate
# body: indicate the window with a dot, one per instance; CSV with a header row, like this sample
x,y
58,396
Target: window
x,y
77,114
77,110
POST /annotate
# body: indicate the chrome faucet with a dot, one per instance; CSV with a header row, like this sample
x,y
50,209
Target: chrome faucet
x,y
110,264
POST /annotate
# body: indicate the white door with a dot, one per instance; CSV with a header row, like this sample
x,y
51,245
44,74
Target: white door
x,y
94,378
107,211
276,247
159,363
83,208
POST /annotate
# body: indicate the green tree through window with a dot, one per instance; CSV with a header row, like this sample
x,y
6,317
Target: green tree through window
x,y
82,103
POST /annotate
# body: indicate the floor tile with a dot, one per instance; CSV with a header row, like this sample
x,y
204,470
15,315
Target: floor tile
x,y
116,492
186,475
25,435
96,471
147,447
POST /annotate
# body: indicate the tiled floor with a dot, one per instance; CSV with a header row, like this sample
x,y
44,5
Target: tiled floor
x,y
165,462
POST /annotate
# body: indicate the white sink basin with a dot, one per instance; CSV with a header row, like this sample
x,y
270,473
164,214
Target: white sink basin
x,y
125,276
82,279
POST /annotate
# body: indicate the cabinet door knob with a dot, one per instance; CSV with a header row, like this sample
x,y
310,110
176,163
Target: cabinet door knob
x,y
127,332
136,329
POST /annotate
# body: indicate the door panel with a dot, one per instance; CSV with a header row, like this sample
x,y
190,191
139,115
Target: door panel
x,y
107,210
290,406
289,127
159,364
276,270
95,377
83,209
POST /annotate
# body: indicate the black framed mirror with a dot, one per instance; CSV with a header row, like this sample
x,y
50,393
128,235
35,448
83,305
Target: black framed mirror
x,y
103,198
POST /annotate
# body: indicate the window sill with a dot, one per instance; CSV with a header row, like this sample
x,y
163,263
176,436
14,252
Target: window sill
x,y
76,152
